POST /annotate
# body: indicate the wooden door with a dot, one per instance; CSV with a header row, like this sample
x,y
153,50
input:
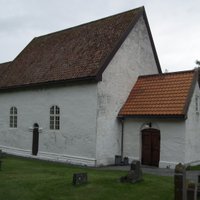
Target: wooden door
x,y
146,148
35,139
150,147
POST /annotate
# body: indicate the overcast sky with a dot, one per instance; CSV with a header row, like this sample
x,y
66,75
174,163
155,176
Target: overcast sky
x,y
175,24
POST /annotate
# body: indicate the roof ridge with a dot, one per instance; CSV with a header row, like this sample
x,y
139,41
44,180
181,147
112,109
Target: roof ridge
x,y
94,21
168,73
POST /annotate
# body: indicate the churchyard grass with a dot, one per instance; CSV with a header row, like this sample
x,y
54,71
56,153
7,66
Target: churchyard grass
x,y
197,167
27,179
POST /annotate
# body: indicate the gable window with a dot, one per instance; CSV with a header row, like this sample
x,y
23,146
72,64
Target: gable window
x,y
197,104
13,117
54,118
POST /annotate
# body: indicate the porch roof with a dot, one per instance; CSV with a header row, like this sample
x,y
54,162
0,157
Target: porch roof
x,y
160,95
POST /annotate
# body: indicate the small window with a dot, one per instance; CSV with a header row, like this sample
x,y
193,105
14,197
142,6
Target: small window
x,y
13,117
54,118
197,104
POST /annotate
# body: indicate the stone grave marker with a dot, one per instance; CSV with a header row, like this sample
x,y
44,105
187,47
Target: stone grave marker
x,y
180,182
135,173
80,178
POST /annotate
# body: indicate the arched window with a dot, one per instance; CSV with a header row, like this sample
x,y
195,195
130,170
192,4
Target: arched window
x,y
13,117
54,118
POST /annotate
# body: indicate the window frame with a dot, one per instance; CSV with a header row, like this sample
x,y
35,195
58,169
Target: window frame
x,y
54,119
13,120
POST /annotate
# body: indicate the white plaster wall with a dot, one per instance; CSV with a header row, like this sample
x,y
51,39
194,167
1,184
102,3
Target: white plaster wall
x,y
134,58
193,131
75,141
172,143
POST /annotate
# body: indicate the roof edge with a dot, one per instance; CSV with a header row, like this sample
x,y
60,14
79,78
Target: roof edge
x,y
141,12
49,83
151,41
166,74
8,62
90,22
120,42
181,116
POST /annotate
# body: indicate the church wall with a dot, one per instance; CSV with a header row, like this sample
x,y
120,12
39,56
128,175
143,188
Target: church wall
x,y
75,142
193,131
134,57
172,140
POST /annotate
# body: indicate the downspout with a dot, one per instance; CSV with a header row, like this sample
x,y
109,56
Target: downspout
x,y
122,138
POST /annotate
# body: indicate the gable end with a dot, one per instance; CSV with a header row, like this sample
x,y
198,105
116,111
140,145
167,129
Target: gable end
x,y
191,92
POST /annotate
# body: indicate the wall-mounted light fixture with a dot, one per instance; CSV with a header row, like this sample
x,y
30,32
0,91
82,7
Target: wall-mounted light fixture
x,y
148,125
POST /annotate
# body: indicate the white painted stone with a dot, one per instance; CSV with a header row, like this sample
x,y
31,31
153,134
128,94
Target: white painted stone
x,y
193,131
172,143
76,139
90,132
179,138
134,58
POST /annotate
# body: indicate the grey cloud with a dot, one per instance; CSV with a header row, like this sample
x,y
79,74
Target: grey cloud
x,y
174,24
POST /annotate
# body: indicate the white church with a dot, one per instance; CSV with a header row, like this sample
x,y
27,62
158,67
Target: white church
x,y
88,93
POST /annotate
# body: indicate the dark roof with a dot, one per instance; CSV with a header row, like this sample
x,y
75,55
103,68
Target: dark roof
x,y
3,67
162,95
78,53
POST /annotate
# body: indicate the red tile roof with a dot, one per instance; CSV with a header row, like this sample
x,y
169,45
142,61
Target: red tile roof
x,y
77,53
160,95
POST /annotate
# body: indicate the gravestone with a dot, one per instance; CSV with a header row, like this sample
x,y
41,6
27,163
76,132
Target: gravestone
x,y
191,191
198,187
118,160
180,168
180,182
135,173
1,154
79,178
126,161
136,167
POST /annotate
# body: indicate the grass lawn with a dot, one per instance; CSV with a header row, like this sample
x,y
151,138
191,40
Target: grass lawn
x,y
26,179
197,167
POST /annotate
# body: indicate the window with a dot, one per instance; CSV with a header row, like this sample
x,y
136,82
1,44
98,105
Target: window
x,y
54,118
197,104
13,117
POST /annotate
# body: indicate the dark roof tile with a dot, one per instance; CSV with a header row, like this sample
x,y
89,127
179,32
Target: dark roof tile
x,y
3,68
75,53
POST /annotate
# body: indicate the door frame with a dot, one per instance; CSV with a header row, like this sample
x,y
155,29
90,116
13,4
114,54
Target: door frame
x,y
35,139
153,132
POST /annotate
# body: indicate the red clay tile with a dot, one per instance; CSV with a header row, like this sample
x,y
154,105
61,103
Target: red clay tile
x,y
156,95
